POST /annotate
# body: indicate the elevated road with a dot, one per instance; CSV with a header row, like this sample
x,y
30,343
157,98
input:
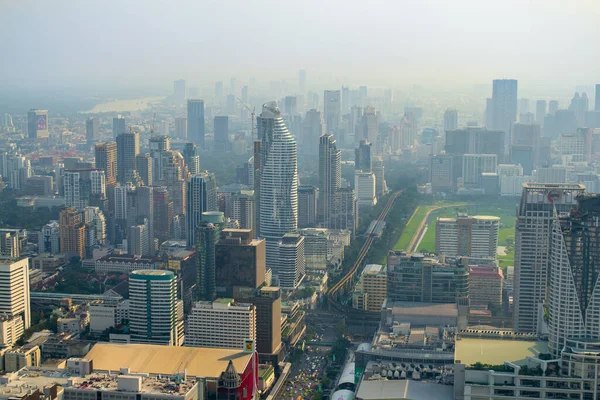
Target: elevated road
x,y
345,284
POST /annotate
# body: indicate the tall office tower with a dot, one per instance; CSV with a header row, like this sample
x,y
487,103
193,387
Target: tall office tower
x,y
154,318
291,268
121,199
475,236
179,91
314,128
181,127
332,107
128,146
243,210
362,156
540,112
302,81
37,124
597,98
364,184
308,204
579,105
241,262
230,105
235,322
525,149
14,293
368,126
92,129
330,178
159,143
278,172
174,175
573,303
363,94
290,105
138,241
106,160
553,107
221,133
202,197
475,140
450,119
163,213
84,187
476,164
267,300
379,172
346,210
95,225
72,233
195,122
504,106
191,158
533,232
346,101
523,106
119,125
219,90
145,211
143,166
207,236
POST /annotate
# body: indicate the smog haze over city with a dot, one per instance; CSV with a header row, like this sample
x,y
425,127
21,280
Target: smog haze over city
x,y
299,200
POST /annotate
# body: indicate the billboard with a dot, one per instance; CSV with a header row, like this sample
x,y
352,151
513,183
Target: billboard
x,y
42,122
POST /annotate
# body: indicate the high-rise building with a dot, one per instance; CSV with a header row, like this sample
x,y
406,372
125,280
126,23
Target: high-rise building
x,y
346,210
291,268
84,187
540,112
278,174
573,303
379,172
504,106
330,178
362,156
533,232
364,184
92,129
290,105
179,91
119,126
106,160
143,166
221,133
128,146
72,233
14,294
371,289
476,140
243,210
195,122
469,236
314,128
154,315
553,107
221,324
579,105
368,126
485,285
308,196
163,213
267,300
173,174
181,127
476,164
207,236
332,107
202,197
191,158
37,124
302,81
597,98
241,262
49,238
450,119
138,241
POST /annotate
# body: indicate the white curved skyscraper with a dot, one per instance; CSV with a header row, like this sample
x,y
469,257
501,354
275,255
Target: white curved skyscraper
x,y
278,212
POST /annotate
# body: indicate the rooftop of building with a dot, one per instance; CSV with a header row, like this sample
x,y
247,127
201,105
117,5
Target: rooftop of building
x,y
570,186
418,308
166,360
149,385
373,269
495,351
152,274
476,271
385,389
127,258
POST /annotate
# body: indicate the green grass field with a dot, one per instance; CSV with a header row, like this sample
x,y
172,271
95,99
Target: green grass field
x,y
411,228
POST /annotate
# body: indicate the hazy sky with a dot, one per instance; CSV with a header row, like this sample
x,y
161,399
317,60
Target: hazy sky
x,y
367,41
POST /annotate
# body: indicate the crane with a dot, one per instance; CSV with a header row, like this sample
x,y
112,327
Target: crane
x,y
253,115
